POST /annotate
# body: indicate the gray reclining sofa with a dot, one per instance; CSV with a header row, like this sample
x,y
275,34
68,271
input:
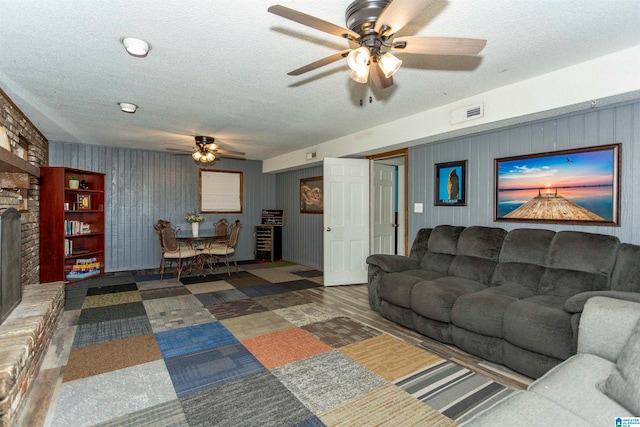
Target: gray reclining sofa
x,y
512,298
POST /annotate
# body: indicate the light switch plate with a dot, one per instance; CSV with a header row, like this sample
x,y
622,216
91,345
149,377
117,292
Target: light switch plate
x,y
417,208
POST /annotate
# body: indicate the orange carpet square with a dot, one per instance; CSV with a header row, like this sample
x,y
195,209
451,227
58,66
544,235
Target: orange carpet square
x,y
282,347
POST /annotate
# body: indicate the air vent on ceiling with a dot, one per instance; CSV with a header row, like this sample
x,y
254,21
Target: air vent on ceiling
x,y
467,113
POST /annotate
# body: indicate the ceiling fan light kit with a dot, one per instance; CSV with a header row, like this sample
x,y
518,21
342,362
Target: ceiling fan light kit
x,y
136,47
372,24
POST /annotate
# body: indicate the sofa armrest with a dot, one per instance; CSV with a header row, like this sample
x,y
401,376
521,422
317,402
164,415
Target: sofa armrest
x,y
576,303
606,325
393,263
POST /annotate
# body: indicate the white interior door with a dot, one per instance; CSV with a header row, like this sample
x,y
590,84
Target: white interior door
x,y
346,221
384,209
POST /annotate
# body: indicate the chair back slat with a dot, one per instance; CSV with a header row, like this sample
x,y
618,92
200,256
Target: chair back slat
x,y
233,234
169,239
221,227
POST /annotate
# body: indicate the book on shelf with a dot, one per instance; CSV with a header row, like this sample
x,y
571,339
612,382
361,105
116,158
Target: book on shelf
x,y
86,260
82,274
72,228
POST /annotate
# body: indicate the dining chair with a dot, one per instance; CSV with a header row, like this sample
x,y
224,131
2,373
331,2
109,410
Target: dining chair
x,y
221,227
159,226
226,251
172,250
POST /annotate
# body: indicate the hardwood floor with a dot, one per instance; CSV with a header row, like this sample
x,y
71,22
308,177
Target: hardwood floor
x,y
353,301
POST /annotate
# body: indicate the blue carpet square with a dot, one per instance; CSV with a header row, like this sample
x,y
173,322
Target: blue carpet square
x,y
195,372
178,342
263,290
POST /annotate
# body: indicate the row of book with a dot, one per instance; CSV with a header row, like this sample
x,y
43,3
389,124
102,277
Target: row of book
x,y
69,249
83,268
76,227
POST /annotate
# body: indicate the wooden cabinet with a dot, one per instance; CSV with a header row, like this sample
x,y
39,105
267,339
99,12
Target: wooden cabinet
x,y
268,243
269,235
71,225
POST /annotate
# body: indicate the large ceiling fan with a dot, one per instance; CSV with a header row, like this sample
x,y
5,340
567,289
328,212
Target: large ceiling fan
x,y
207,151
372,24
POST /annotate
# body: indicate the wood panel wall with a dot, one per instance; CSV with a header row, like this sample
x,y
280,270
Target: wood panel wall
x,y
591,128
302,232
144,186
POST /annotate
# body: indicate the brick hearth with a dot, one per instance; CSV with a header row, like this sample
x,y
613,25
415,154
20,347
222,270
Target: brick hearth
x,y
24,338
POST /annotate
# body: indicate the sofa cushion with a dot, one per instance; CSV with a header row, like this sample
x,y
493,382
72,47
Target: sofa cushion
x,y
434,299
420,244
477,253
526,245
626,273
579,262
442,244
522,258
623,385
527,409
396,288
423,274
444,239
483,311
541,325
572,384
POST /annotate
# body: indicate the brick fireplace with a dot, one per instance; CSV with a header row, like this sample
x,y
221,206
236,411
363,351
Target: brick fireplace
x,y
26,331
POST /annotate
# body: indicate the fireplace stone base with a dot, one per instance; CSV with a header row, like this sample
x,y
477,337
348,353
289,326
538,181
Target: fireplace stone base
x,y
24,338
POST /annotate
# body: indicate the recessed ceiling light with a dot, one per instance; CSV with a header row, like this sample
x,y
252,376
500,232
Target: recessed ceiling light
x,y
136,47
127,107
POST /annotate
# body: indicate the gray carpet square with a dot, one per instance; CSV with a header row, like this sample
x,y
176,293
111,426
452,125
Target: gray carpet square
x,y
253,401
169,414
111,312
327,380
94,333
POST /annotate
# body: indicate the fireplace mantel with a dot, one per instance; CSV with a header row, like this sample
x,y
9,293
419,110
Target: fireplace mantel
x,y
14,171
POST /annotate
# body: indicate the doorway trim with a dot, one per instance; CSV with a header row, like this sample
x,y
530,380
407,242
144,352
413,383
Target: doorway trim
x,y
403,152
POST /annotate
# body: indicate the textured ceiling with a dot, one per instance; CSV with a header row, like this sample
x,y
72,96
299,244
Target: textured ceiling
x,y
218,68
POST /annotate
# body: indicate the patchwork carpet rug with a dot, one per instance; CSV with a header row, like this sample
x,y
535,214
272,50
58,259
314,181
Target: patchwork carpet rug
x,y
247,350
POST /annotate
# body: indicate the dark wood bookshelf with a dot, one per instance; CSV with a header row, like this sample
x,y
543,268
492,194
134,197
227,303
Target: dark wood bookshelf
x,y
58,203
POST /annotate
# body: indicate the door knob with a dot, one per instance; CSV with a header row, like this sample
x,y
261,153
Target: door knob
x,y
328,228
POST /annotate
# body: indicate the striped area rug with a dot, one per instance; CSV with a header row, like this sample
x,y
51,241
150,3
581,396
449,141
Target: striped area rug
x,y
453,390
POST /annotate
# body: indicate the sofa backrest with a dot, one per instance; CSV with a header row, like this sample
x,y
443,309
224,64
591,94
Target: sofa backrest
x,y
522,258
442,245
626,273
477,253
420,244
578,262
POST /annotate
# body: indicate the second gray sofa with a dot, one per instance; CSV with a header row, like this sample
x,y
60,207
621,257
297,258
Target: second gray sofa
x,y
513,298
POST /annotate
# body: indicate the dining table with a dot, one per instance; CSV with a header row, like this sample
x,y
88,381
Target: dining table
x,y
200,242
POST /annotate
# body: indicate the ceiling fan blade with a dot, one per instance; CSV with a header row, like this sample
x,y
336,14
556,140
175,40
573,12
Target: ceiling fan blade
x,y
231,157
440,45
313,22
221,151
177,150
320,63
398,13
378,77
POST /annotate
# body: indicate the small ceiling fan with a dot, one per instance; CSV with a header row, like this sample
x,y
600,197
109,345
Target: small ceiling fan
x,y
372,24
206,151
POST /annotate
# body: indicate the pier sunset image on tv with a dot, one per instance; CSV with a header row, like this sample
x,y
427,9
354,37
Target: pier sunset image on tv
x,y
576,186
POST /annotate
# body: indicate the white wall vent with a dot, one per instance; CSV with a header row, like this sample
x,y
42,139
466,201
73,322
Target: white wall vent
x,y
467,113
311,155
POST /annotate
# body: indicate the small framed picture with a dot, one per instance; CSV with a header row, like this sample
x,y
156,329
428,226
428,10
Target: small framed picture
x,y
84,201
451,184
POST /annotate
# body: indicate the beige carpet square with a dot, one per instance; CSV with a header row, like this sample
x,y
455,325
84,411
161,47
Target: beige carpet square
x,y
203,288
389,357
385,406
111,299
257,324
